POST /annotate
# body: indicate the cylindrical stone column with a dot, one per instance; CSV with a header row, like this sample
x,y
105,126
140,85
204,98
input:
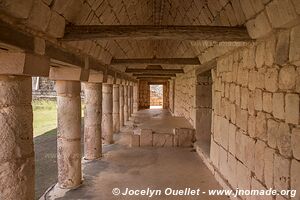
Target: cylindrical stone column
x,y
135,98
107,118
68,134
16,138
116,110
126,116
92,121
121,94
129,101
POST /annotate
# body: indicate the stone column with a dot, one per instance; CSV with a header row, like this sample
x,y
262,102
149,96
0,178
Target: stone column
x,y
126,116
135,98
129,101
121,94
107,118
116,110
68,134
92,121
16,138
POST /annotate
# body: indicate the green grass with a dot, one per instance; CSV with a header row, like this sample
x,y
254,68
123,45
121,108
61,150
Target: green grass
x,y
44,116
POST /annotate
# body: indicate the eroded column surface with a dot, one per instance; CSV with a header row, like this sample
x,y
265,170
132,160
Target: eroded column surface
x,y
135,98
129,101
121,110
92,121
116,110
16,138
107,109
68,133
126,116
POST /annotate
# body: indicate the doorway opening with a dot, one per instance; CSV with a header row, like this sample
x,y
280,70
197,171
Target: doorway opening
x,y
156,96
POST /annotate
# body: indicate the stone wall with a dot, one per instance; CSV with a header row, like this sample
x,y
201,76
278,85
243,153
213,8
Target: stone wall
x,y
144,95
256,135
43,88
171,95
185,92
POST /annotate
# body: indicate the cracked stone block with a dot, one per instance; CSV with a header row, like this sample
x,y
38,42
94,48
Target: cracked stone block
x,y
39,16
287,78
162,140
295,177
269,167
278,105
244,176
135,140
259,26
281,172
283,140
295,45
292,108
296,142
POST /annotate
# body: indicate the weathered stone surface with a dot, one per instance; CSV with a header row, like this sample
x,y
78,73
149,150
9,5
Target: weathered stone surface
x,y
267,102
232,178
282,48
135,140
258,101
259,26
214,153
146,137
281,172
116,108
162,140
259,159
184,137
260,54
16,137
278,105
92,120
296,142
39,16
16,8
272,133
295,45
295,177
231,137
269,167
224,128
270,50
292,108
247,8
107,108
261,126
281,13
56,27
252,126
244,97
284,140
271,80
68,134
244,176
287,78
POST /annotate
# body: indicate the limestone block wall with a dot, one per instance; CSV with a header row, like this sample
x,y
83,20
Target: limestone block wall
x,y
185,92
171,95
144,95
256,134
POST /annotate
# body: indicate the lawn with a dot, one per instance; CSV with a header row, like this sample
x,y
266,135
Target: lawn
x,y
44,116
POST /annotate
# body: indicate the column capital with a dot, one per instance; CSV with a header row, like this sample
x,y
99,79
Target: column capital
x,y
69,74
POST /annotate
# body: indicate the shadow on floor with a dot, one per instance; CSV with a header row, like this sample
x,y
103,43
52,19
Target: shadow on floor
x,y
45,147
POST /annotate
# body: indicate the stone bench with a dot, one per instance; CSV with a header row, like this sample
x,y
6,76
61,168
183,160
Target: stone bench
x,y
181,137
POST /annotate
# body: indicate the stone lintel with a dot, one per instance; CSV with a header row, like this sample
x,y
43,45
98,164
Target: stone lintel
x,y
69,74
20,63
96,77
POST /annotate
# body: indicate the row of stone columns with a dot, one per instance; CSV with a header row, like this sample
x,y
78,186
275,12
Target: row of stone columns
x,y
107,108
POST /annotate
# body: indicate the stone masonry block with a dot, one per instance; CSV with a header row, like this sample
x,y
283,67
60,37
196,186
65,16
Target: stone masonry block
x,y
295,45
251,126
146,138
261,126
296,142
259,159
259,26
281,172
267,102
269,167
272,127
56,27
231,137
292,108
258,101
39,16
271,79
162,140
287,78
232,162
184,137
16,8
295,177
224,133
135,140
281,13
283,140
244,176
214,153
278,105
282,48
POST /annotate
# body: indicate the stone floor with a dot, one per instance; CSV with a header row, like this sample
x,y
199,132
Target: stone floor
x,y
141,168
